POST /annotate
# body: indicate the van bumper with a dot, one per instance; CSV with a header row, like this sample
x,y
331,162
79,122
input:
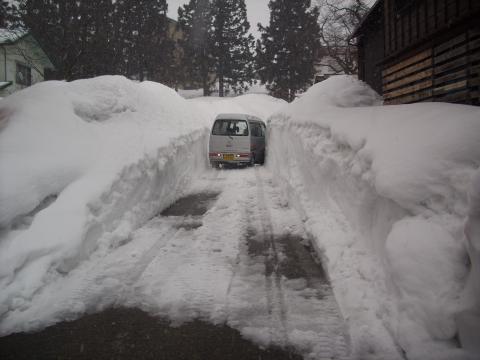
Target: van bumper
x,y
230,158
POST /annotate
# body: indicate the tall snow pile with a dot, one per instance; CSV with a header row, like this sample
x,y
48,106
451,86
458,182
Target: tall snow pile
x,y
384,192
469,320
82,165
472,232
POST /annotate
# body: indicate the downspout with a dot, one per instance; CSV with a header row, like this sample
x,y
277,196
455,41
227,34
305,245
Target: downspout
x,y
5,63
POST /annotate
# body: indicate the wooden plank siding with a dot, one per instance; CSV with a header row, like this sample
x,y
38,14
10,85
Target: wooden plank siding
x,y
421,19
422,50
448,71
412,60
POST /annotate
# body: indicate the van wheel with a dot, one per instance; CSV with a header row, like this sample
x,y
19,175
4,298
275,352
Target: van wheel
x,y
252,160
262,160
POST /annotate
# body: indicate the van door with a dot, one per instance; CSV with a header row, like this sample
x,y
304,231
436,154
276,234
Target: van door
x,y
258,140
230,136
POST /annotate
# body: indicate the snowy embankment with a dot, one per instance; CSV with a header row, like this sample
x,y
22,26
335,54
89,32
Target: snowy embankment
x,y
384,193
382,190
84,164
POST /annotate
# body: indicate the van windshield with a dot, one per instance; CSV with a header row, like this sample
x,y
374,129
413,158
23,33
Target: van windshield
x,y
230,128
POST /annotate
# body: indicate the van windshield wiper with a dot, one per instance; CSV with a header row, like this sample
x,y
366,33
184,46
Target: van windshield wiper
x,y
231,137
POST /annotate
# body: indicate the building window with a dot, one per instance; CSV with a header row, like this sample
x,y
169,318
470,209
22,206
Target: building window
x,y
24,75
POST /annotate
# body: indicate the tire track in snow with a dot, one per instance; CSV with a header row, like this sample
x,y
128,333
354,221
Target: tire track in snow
x,y
146,255
312,319
215,273
273,276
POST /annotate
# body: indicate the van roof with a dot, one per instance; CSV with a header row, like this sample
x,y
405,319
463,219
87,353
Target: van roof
x,y
237,116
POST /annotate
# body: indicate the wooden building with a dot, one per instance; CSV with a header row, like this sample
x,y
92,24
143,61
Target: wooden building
x,y
422,50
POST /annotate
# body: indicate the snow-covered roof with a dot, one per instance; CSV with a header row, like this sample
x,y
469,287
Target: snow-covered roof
x,y
4,84
8,36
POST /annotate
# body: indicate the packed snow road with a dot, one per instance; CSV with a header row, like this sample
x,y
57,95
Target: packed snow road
x,y
218,255
232,251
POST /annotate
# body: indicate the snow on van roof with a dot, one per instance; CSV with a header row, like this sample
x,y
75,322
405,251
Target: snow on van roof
x,y
237,116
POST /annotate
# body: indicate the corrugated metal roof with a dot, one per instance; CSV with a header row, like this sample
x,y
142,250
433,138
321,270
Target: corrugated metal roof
x,y
8,36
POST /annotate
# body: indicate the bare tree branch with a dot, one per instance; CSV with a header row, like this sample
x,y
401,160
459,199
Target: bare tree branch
x,y
338,20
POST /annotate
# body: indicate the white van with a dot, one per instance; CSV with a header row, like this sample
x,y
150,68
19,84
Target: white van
x,y
237,139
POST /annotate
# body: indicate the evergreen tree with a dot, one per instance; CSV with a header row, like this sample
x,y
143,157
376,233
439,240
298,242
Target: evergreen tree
x,y
149,49
95,33
8,15
197,62
53,32
286,52
85,38
232,45
69,33
4,10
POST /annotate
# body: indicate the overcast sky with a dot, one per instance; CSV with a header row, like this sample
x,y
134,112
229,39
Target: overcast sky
x,y
257,11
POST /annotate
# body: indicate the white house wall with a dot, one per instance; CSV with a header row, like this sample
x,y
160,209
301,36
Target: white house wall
x,y
26,52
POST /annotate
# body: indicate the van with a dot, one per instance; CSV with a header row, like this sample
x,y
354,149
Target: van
x,y
237,139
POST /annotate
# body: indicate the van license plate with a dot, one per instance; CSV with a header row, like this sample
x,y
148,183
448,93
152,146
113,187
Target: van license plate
x,y
228,157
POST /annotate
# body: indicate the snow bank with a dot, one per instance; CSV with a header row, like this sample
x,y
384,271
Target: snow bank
x,y
83,165
427,266
469,321
472,232
108,152
384,192
59,131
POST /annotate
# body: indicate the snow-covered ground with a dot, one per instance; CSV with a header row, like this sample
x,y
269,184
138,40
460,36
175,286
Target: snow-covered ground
x,y
382,192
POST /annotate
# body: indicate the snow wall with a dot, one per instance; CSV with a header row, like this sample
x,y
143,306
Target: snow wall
x,y
384,192
83,165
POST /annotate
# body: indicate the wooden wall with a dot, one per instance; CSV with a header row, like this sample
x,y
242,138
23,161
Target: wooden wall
x,y
410,24
449,72
432,51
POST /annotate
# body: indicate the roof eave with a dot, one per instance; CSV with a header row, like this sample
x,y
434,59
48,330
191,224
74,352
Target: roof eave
x,y
357,31
5,84
20,37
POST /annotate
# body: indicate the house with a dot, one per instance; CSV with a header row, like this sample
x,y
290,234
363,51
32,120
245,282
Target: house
x,y
329,61
421,50
325,66
22,61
